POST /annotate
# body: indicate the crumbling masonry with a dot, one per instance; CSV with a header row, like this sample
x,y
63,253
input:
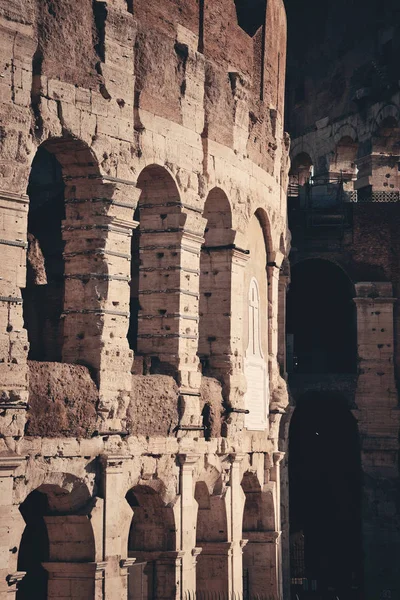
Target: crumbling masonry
x,y
143,174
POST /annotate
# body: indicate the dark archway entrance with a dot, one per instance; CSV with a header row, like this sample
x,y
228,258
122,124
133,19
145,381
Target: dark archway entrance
x,y
325,496
152,542
44,292
57,549
321,319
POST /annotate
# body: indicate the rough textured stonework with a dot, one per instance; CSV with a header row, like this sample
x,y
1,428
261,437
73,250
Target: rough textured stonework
x,y
143,175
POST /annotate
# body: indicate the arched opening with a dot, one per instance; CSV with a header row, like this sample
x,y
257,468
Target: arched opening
x,y
321,319
255,324
301,170
260,552
43,296
160,269
213,570
152,542
344,165
57,545
325,496
215,283
67,272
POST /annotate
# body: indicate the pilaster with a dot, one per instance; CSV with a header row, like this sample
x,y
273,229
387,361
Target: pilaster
x,y
188,520
11,527
13,336
236,512
378,422
116,524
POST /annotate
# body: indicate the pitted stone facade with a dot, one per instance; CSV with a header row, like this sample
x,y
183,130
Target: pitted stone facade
x,y
143,174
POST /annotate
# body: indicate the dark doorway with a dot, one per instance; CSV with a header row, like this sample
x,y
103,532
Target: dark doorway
x,y
325,495
321,318
34,548
44,293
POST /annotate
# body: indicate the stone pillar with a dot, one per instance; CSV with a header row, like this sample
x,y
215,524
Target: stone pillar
x,y
378,170
13,336
273,269
236,513
188,521
11,528
378,421
169,576
275,477
125,565
282,293
262,559
116,524
222,303
214,568
73,580
169,290
97,234
163,578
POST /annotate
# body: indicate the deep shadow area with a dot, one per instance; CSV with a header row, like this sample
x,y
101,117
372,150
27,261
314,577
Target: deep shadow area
x,y
325,493
250,14
44,293
34,548
321,317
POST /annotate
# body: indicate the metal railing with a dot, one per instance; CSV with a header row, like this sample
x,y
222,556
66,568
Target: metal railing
x,y
215,595
379,196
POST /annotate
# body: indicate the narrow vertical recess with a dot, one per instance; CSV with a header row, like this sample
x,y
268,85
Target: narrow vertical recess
x,y
263,46
201,26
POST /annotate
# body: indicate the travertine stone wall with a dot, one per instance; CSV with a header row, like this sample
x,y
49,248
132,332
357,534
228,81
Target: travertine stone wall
x,y
147,108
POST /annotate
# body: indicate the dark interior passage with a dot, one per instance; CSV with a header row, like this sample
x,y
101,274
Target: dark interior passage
x,y
321,319
325,493
152,535
44,293
34,548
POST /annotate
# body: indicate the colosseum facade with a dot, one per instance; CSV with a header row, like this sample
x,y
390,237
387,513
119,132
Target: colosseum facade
x,y
143,175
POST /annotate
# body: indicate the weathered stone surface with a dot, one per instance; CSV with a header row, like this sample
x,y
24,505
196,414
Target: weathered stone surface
x,y
123,124
62,400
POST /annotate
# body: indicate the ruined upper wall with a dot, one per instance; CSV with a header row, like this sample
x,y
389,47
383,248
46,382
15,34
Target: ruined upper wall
x,y
342,57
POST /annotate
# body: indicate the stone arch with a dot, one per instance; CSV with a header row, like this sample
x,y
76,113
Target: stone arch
x,y
346,130
260,558
152,543
167,281
256,278
89,207
46,295
343,165
379,157
325,502
265,223
301,168
213,570
389,113
385,134
57,542
215,284
321,318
